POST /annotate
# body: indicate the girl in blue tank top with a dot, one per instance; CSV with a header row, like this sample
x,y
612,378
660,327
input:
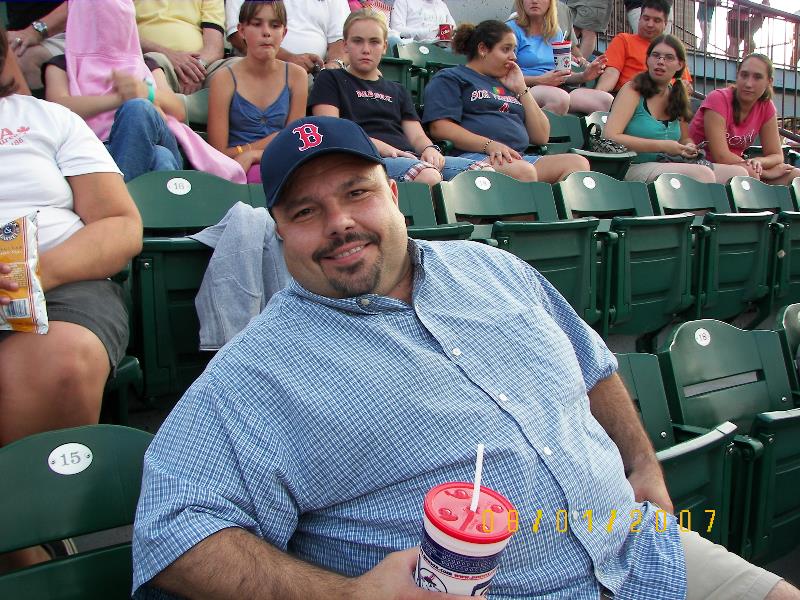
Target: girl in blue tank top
x,y
253,99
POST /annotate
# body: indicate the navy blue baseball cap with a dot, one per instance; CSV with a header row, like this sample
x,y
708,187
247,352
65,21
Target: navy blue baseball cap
x,y
308,138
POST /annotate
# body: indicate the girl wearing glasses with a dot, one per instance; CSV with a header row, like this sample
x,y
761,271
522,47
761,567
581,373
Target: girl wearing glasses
x,y
651,114
732,118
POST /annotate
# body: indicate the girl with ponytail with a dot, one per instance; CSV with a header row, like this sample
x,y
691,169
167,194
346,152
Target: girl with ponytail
x,y
650,115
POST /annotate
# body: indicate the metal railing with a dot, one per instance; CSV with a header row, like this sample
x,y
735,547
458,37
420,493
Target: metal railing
x,y
717,33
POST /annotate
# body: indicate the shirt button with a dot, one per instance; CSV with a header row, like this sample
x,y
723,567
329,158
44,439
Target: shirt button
x,y
364,302
503,398
547,451
456,352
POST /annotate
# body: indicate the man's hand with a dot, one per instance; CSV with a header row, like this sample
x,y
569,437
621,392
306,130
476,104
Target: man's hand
x,y
647,482
21,40
307,60
392,579
187,67
6,283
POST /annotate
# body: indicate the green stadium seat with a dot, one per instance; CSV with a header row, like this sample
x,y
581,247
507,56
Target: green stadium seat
x,y
696,462
127,380
645,270
730,251
416,204
714,372
787,326
168,272
568,134
749,195
522,219
40,504
426,59
397,70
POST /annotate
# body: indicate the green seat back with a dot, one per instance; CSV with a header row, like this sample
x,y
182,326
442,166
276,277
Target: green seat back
x,y
673,193
522,218
416,204
645,275
787,325
751,195
696,465
422,53
397,70
426,59
795,190
715,372
483,197
598,195
737,270
566,132
168,272
39,505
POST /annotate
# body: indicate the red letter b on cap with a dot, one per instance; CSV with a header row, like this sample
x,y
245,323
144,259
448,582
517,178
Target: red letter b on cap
x,y
309,135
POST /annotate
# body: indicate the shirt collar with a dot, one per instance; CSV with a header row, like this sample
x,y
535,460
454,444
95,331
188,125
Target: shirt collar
x,y
370,304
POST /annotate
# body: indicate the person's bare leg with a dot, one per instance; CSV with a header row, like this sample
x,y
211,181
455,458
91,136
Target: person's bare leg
x,y
780,175
555,167
519,169
48,382
587,100
31,64
551,98
723,173
70,365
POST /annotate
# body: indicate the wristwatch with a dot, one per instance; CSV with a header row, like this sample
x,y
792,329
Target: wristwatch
x,y
40,27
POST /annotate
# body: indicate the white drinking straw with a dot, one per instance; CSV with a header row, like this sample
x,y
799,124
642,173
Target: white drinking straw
x,y
476,487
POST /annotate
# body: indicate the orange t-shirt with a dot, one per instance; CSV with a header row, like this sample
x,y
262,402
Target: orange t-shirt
x,y
627,53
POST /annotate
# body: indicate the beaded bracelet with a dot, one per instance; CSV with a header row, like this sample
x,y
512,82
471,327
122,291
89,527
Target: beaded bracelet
x,y
486,146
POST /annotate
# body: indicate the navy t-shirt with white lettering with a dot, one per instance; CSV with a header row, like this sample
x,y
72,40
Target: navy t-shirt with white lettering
x,y
478,103
379,107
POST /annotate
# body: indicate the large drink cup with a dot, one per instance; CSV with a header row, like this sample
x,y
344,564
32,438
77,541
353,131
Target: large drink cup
x,y
562,54
460,549
445,32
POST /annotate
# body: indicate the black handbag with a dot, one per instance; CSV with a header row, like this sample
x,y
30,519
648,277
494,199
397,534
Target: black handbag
x,y
597,143
700,159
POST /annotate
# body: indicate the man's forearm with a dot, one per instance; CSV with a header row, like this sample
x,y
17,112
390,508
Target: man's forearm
x,y
234,563
335,51
213,45
608,80
613,408
56,20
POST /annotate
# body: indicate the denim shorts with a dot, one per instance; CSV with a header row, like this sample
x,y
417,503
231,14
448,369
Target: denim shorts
x,y
531,158
406,169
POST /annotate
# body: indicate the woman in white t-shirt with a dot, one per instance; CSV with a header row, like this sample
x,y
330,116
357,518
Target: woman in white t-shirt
x,y
89,228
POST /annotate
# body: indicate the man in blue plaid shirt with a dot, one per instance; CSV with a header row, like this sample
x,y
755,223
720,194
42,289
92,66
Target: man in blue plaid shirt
x,y
296,465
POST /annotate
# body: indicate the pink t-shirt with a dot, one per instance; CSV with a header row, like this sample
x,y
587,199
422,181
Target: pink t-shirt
x,y
740,136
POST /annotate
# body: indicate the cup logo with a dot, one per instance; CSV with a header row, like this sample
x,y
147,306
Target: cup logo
x,y
310,136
